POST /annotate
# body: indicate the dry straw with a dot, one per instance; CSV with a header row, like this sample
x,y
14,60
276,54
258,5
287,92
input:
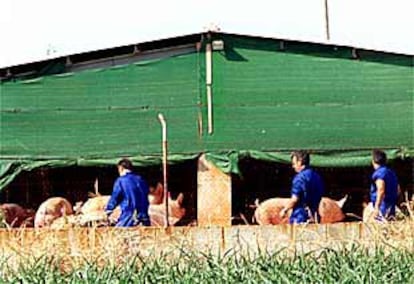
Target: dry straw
x,y
74,247
249,254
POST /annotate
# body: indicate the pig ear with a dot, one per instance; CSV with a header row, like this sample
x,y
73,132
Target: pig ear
x,y
158,188
180,198
77,207
342,201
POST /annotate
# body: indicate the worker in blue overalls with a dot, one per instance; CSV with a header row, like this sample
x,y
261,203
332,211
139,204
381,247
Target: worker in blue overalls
x,y
384,188
306,193
130,192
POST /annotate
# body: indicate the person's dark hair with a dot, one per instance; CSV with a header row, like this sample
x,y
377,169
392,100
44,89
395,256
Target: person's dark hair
x,y
379,157
125,163
302,156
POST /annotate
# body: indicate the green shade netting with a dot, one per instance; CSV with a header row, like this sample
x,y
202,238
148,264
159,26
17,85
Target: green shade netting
x,y
9,169
267,100
309,98
102,113
229,162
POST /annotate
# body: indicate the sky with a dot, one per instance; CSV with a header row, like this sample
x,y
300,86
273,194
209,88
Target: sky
x,y
43,29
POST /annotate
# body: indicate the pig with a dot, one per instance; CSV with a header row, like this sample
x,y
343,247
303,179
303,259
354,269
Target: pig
x,y
156,210
268,212
67,221
156,194
96,218
29,219
97,202
368,211
50,210
94,210
405,208
331,210
175,211
16,216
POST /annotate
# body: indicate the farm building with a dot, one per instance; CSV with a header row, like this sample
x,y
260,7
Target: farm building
x,y
235,106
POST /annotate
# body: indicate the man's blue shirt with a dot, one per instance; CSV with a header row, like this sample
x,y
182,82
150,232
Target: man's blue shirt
x,y
387,206
130,192
308,187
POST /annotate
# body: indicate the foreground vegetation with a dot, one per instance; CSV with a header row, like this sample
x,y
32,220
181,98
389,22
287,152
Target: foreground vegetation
x,y
354,264
368,253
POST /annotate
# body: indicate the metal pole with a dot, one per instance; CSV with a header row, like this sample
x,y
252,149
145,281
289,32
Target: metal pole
x,y
209,82
164,164
327,20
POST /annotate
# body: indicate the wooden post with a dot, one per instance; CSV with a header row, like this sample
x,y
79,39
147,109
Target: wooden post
x,y
213,195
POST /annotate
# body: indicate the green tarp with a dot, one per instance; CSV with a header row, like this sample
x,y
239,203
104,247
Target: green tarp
x,y
102,113
229,162
265,99
268,99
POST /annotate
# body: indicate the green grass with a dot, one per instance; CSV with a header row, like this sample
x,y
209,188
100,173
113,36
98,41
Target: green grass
x,y
355,264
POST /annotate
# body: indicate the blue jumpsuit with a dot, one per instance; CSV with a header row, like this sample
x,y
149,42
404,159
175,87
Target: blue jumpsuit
x,y
387,206
308,187
130,192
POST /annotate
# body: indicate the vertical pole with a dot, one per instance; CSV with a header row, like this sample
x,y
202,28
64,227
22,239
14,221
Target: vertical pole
x,y
327,20
209,110
164,164
96,186
208,64
209,81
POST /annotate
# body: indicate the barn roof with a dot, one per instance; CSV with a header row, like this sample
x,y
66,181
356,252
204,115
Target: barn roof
x,y
153,45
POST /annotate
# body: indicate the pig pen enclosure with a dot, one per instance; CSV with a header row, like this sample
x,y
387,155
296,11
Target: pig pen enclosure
x,y
31,188
261,180
208,199
152,254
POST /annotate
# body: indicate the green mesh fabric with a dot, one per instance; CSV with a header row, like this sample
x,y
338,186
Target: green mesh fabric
x,y
268,98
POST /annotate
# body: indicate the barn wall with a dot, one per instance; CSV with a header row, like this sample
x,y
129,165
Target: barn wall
x,y
269,96
276,95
